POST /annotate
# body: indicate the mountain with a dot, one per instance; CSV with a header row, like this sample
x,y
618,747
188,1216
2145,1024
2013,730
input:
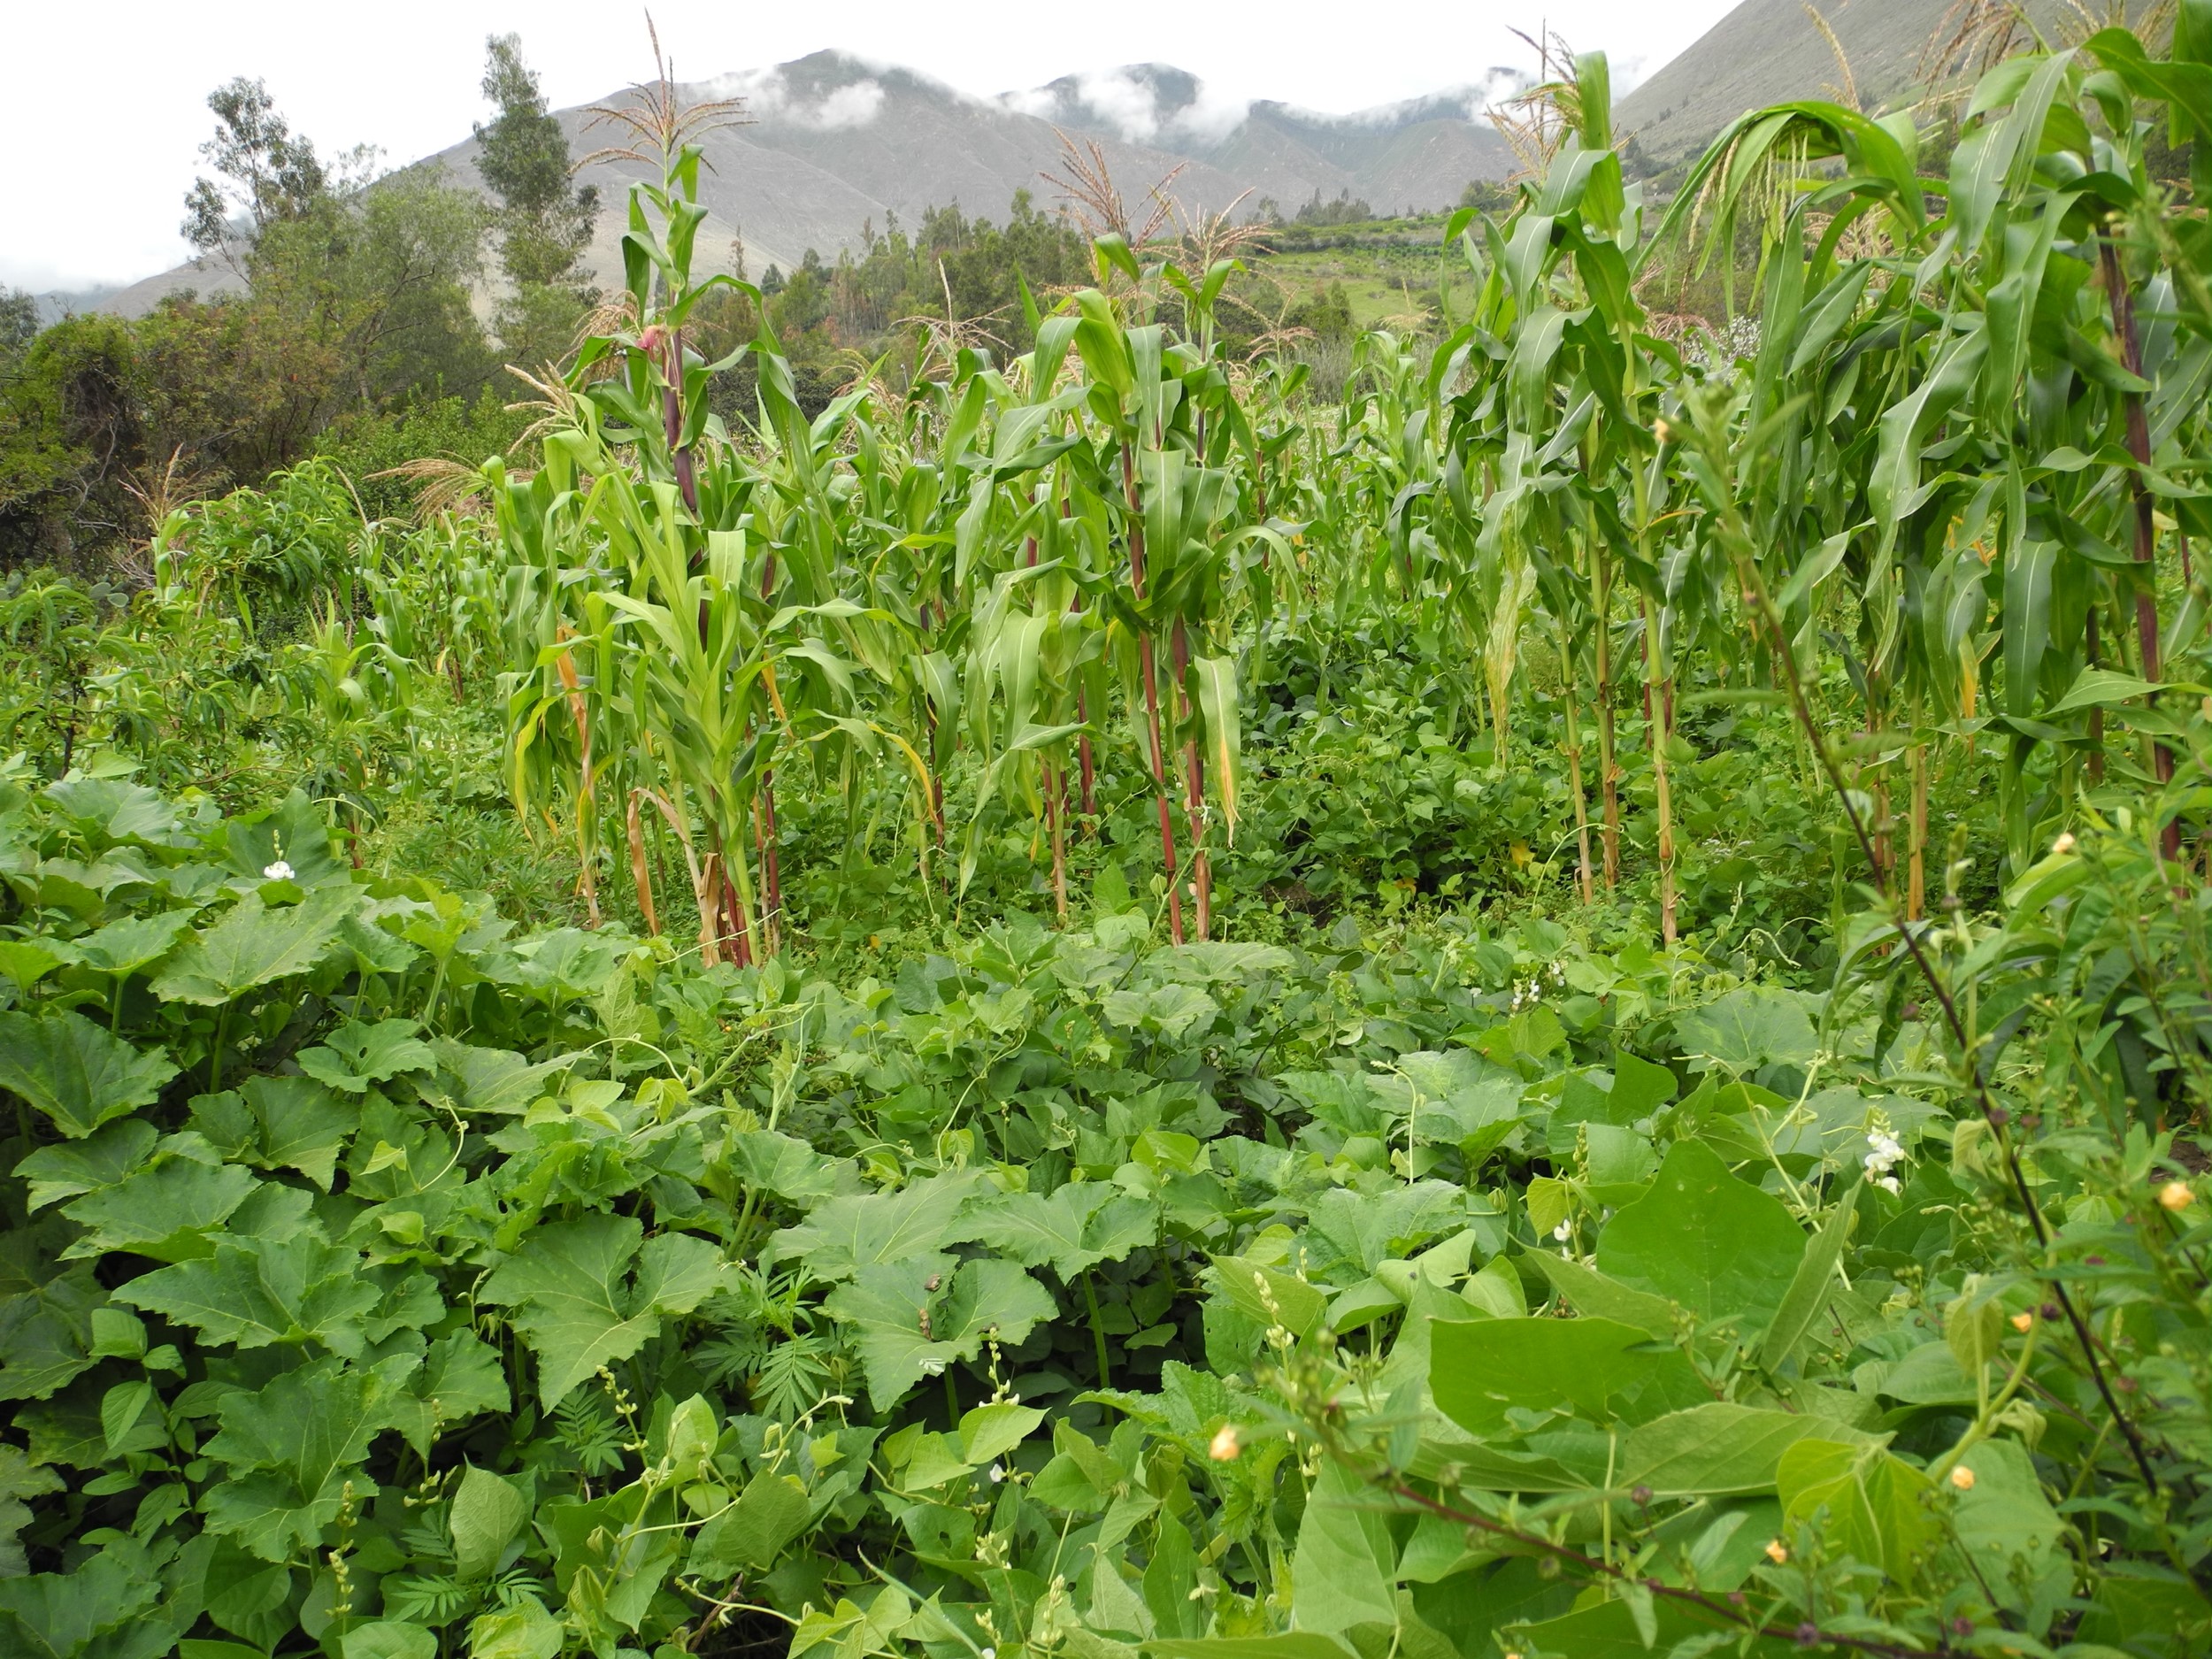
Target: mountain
x,y
1769,52
836,145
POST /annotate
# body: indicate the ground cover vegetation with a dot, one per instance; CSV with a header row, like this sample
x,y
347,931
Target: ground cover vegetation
x,y
1089,1003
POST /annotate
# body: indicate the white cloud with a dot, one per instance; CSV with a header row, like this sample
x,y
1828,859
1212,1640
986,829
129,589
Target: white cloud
x,y
855,105
1040,102
771,99
1129,106
1212,115
1122,103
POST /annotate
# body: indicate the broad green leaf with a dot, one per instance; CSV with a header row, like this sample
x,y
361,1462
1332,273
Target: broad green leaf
x,y
46,1314
695,1429
1269,1297
1750,1028
121,1409
297,832
752,1532
2007,1525
575,1303
257,1292
523,1630
1590,1291
1080,1224
279,1123
847,1234
303,1126
1875,1506
389,1638
1171,1581
791,1169
484,1515
164,1211
358,1055
1929,1375
130,944
1346,1563
1718,1246
1714,1450
497,1082
109,1608
1171,1011
27,961
932,1460
989,1432
19,1478
460,1378
904,1329
2101,687
254,945
78,1074
103,1158
1974,1330
292,1449
1371,1228
115,809
1596,1368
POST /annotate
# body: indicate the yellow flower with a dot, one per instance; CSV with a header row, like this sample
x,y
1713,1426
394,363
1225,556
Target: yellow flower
x,y
2023,1323
1962,1477
2176,1195
1777,1552
1225,1445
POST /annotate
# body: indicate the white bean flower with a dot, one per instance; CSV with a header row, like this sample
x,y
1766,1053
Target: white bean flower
x,y
1885,1155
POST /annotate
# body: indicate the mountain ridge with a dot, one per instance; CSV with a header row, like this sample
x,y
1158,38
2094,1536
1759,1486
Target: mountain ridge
x,y
836,144
840,143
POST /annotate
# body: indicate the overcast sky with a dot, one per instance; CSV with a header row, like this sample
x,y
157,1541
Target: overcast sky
x,y
104,109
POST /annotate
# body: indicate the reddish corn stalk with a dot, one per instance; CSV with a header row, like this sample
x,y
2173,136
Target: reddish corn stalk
x,y
771,865
1152,699
2139,442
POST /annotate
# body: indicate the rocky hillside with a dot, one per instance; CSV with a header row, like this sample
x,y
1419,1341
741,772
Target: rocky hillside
x,y
1767,51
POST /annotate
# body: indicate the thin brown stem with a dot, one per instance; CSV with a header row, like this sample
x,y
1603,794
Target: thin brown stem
x,y
1735,1619
1760,602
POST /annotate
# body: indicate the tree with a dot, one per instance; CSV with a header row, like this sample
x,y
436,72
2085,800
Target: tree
x,y
265,175
19,320
545,222
71,421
